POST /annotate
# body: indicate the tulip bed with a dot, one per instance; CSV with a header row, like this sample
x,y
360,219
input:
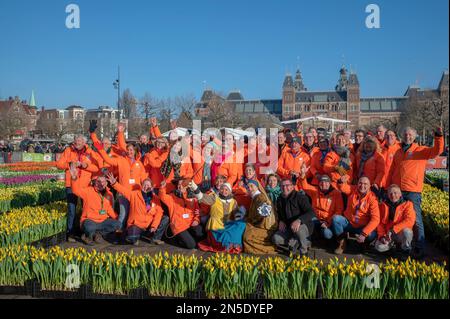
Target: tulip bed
x,y
177,275
31,195
437,178
435,207
28,166
25,179
30,224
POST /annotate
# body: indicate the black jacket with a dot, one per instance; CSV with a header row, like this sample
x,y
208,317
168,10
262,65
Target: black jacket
x,y
295,206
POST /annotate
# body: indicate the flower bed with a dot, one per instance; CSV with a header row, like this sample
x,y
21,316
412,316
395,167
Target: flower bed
x,y
165,275
30,224
25,179
31,195
436,214
437,178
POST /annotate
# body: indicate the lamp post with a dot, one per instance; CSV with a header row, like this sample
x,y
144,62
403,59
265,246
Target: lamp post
x,y
116,85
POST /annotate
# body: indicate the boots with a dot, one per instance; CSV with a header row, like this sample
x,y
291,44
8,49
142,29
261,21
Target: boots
x,y
342,243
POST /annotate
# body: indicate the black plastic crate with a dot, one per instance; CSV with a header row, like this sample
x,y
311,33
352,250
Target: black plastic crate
x,y
37,292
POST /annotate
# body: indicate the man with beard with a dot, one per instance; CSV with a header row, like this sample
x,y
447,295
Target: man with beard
x,y
98,218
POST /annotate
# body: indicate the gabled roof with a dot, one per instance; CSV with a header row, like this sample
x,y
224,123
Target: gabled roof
x,y
444,80
235,96
353,79
288,82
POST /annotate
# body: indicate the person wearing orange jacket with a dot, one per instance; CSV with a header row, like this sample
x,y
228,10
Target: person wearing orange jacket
x,y
282,143
85,159
397,221
359,138
290,162
146,145
369,162
184,214
325,200
131,171
408,169
98,218
380,136
318,160
177,164
155,159
361,217
146,217
388,151
338,162
309,146
241,190
229,163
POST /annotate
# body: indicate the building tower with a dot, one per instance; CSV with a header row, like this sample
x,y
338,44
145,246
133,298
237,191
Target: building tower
x,y
343,81
443,87
298,83
353,101
288,101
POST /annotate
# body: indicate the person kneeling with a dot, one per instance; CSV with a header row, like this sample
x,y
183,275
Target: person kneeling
x,y
397,221
225,226
361,217
98,218
295,219
261,223
146,217
184,214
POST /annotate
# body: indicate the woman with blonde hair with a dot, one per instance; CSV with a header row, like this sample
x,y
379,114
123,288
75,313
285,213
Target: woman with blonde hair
x,y
370,162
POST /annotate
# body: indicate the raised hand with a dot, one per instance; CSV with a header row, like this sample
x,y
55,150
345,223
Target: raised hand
x,y
110,178
173,124
73,170
303,170
121,127
92,126
153,121
439,131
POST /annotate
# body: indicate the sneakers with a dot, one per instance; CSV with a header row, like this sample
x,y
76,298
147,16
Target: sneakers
x,y
157,242
71,239
98,238
342,244
87,240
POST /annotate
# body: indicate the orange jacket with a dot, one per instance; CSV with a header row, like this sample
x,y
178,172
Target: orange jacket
x,y
405,217
329,167
409,168
87,155
130,171
197,168
153,162
292,162
96,207
185,172
388,153
361,212
114,152
325,205
140,215
316,166
154,131
373,168
182,211
231,169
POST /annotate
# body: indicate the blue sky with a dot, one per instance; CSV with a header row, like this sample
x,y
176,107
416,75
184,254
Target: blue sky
x,y
169,48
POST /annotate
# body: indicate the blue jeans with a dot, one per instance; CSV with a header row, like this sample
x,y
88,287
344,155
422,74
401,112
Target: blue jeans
x,y
341,225
134,232
108,226
72,201
326,232
124,209
416,199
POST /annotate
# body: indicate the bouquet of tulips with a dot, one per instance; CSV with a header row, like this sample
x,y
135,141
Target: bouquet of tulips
x,y
295,278
436,214
227,276
29,224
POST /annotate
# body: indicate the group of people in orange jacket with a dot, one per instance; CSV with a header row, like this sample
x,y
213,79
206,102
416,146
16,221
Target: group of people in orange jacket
x,y
218,193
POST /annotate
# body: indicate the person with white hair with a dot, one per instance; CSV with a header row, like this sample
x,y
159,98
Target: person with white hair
x,y
397,218
408,170
88,163
226,224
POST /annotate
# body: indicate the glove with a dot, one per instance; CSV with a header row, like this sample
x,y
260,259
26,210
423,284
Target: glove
x,y
193,186
92,126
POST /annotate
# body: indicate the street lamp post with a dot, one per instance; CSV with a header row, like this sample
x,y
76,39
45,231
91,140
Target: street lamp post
x,y
116,85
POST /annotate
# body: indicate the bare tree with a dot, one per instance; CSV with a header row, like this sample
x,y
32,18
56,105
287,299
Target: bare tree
x,y
148,106
13,119
167,113
129,104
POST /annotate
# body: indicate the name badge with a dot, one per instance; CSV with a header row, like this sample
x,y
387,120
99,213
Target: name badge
x,y
185,216
102,212
132,181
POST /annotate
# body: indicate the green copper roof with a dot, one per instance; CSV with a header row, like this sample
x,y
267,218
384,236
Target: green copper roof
x,y
32,100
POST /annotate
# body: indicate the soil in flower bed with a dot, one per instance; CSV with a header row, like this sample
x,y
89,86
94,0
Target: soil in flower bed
x,y
51,240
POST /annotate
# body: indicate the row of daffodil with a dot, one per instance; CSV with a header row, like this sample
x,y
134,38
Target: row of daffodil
x,y
30,224
435,207
223,276
31,195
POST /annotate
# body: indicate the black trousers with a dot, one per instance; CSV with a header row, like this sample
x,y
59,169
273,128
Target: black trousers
x,y
190,237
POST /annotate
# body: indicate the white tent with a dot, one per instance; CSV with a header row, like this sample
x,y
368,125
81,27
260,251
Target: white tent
x,y
237,133
181,131
317,118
